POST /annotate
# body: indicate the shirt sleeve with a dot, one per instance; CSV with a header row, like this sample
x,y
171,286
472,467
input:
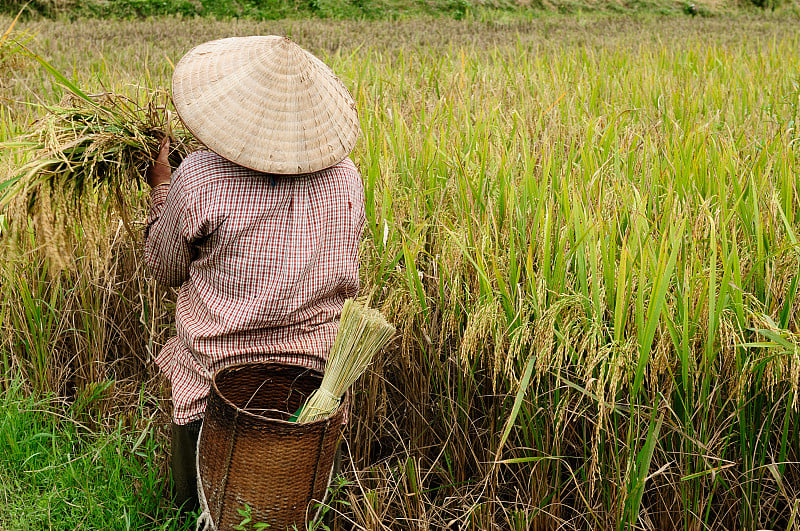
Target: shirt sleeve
x,y
167,251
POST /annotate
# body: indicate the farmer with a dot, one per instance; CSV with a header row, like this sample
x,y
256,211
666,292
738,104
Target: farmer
x,y
261,230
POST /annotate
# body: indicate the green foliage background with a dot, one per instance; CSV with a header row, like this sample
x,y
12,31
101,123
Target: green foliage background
x,y
253,9
368,9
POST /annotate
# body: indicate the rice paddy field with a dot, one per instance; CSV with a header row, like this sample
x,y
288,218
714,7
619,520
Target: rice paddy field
x,y
585,229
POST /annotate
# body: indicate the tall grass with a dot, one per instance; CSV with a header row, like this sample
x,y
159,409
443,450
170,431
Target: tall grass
x,y
586,232
364,9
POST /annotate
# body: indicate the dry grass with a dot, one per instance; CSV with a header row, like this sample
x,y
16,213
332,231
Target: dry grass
x,y
363,332
11,43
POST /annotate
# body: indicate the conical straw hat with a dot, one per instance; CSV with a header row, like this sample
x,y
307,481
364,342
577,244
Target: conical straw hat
x,y
265,104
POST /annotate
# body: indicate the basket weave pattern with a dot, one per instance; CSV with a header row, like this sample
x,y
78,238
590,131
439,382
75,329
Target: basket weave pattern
x,y
249,454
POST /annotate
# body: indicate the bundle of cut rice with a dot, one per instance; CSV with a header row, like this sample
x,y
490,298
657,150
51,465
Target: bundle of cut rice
x,y
90,142
362,333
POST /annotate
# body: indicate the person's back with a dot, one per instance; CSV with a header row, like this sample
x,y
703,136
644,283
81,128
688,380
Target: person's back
x,y
264,262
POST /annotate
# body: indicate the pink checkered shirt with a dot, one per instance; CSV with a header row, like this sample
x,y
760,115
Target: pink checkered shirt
x,y
264,264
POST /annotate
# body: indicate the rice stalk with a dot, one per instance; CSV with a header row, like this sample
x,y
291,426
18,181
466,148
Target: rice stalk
x,y
11,44
542,168
363,331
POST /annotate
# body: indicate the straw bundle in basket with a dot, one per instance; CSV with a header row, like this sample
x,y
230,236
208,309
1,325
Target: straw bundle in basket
x,y
363,331
250,450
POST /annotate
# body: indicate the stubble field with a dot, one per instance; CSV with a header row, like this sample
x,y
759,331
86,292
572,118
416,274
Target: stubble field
x,y
585,230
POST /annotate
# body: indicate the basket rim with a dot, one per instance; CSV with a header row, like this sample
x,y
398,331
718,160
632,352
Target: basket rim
x,y
241,411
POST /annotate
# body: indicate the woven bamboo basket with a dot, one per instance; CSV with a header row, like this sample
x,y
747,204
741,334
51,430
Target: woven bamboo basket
x,y
249,455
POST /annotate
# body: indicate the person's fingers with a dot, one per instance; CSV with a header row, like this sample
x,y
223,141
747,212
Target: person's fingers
x,y
163,151
159,172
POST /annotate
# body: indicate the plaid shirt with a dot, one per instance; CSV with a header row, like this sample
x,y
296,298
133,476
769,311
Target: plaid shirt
x,y
264,264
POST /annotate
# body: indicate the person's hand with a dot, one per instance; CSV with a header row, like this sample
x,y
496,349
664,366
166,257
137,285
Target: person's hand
x,y
160,172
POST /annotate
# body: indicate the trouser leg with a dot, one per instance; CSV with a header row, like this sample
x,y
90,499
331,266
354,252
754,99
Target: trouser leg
x,y
184,472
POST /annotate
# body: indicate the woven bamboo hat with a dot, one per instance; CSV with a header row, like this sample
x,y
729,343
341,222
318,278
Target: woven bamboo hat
x,y
266,104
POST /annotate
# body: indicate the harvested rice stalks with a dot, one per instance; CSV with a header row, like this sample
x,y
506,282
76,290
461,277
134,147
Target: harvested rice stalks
x,y
86,143
362,333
